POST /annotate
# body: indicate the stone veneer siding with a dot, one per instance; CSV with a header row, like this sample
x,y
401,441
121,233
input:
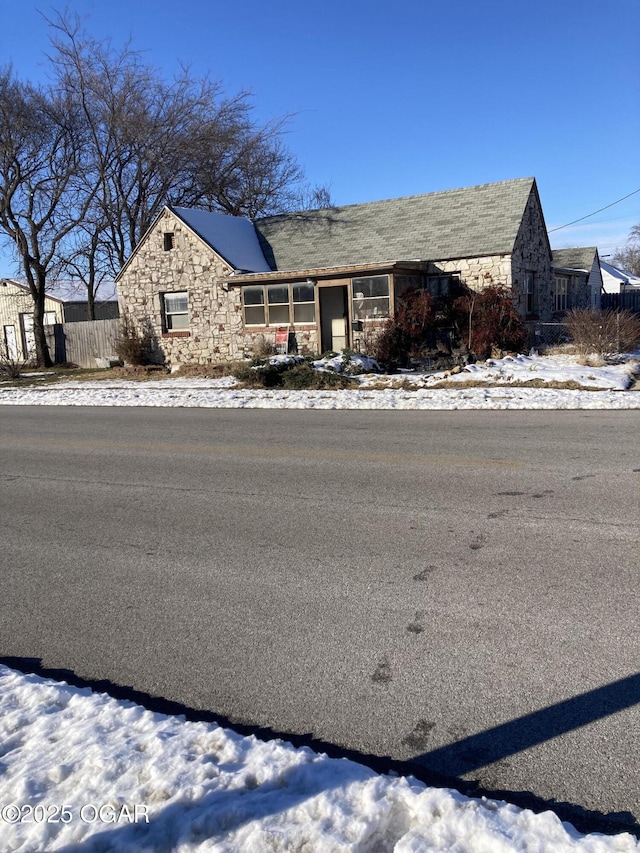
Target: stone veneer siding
x,y
478,273
215,313
531,252
216,332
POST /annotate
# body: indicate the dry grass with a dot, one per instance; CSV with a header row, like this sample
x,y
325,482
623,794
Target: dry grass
x,y
206,371
567,385
403,384
558,349
139,372
451,385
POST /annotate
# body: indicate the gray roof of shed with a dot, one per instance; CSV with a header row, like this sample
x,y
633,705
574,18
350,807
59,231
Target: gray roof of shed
x,y
467,222
580,258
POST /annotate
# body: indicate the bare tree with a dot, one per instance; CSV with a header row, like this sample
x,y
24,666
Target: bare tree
x,y
156,142
629,258
41,199
87,163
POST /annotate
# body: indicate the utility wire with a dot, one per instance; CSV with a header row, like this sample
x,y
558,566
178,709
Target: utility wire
x,y
595,211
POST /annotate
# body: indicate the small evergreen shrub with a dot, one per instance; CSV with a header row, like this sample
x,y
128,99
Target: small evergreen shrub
x,y
258,375
304,376
294,375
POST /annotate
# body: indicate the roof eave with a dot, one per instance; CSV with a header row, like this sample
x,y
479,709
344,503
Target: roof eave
x,y
323,272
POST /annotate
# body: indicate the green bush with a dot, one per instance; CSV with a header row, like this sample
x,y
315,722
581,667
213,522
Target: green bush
x,y
259,375
296,375
304,376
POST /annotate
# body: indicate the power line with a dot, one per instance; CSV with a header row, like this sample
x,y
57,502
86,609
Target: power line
x,y
595,211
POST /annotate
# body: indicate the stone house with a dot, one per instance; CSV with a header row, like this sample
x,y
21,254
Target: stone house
x,y
210,287
577,279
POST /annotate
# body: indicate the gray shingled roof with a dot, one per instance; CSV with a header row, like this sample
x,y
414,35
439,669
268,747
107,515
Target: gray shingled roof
x,y
580,258
468,222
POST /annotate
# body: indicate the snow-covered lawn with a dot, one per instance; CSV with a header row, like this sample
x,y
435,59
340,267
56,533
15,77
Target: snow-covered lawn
x,y
82,768
497,386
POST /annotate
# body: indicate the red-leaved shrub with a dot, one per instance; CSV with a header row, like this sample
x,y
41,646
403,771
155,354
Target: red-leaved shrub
x,y
488,319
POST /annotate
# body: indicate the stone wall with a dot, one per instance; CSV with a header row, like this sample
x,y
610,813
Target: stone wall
x,y
216,332
303,340
215,314
531,253
478,273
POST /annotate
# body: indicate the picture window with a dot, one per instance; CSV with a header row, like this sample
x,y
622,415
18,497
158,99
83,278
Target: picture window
x,y
277,304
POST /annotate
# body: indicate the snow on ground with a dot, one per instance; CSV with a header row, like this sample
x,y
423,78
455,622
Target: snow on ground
x,y
600,388
80,768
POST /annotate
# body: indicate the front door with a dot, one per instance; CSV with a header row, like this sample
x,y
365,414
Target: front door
x,y
334,318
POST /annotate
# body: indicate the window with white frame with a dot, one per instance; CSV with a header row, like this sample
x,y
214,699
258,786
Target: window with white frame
x,y
279,304
175,309
370,297
561,290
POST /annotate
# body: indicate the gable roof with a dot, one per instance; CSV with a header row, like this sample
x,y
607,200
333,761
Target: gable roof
x,y
580,258
618,275
232,237
467,222
6,282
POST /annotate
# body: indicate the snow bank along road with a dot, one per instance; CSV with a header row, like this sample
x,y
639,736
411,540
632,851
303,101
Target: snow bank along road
x,y
132,780
456,589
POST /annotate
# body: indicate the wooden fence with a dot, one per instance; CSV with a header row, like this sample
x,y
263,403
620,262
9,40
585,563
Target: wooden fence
x,y
82,343
628,300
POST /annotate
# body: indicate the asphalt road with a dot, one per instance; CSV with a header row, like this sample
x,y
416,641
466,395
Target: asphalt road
x,y
455,589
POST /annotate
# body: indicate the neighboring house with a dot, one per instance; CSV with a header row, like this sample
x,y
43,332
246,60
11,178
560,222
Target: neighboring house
x,y
577,279
208,285
16,316
621,289
615,280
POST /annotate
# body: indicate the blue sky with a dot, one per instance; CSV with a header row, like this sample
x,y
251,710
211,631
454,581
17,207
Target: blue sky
x,y
392,99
